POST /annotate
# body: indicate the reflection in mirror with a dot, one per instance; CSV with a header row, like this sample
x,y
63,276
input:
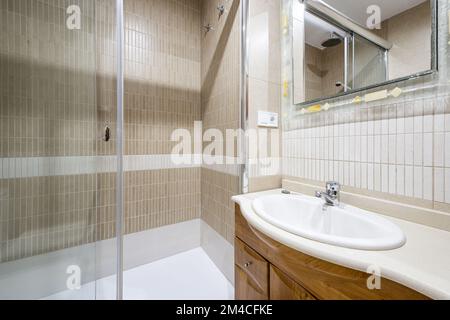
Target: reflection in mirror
x,y
369,64
324,58
343,46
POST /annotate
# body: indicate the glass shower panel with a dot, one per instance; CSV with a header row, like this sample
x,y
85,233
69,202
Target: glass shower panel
x,y
57,174
369,64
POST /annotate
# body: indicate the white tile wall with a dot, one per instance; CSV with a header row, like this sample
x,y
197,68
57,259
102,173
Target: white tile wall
x,y
397,154
263,167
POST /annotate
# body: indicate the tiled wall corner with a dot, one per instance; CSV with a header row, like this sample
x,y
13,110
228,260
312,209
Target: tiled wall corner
x,y
220,110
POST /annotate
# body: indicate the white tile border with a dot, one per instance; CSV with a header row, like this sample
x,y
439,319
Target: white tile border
x,y
13,168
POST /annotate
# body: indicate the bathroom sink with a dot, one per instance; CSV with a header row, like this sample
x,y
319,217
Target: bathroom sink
x,y
342,226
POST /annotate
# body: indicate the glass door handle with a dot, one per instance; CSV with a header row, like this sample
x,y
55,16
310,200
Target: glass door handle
x,y
107,134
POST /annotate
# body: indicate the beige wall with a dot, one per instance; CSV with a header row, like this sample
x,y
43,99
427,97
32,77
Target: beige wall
x,y
264,90
162,72
221,97
314,73
39,114
410,32
220,108
323,69
162,93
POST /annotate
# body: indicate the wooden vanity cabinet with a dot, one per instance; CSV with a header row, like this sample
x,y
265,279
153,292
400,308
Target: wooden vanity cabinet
x,y
268,270
284,288
252,273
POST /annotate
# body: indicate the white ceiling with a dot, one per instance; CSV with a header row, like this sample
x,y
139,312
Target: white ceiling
x,y
318,30
357,10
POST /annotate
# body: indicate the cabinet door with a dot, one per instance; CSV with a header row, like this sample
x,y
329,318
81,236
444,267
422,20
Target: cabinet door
x,y
251,274
284,288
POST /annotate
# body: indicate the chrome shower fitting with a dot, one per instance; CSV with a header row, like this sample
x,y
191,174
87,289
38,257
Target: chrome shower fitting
x,y
221,9
208,28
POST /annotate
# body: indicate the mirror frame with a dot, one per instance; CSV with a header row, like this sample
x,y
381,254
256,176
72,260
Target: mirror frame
x,y
434,54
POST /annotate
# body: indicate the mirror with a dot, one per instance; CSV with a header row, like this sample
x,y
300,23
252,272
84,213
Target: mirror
x,y
345,46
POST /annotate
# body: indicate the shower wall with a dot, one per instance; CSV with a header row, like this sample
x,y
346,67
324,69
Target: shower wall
x,y
221,101
58,89
162,93
47,120
323,69
220,110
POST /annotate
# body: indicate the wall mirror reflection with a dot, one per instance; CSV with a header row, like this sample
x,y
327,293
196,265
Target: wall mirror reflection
x,y
346,46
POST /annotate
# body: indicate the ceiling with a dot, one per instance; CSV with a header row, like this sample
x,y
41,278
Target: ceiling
x,y
357,10
318,30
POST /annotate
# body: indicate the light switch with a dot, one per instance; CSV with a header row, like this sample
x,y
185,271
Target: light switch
x,y
268,119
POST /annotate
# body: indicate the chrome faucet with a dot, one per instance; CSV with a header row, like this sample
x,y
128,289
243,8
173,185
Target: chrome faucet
x,y
332,194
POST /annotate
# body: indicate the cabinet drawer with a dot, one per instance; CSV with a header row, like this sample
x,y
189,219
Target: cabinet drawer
x,y
252,273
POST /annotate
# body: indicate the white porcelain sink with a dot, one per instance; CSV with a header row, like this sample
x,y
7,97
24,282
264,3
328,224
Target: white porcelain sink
x,y
343,226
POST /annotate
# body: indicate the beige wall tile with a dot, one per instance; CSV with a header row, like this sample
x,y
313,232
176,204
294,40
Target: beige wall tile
x,y
220,108
60,93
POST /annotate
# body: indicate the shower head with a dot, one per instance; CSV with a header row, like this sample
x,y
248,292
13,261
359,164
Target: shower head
x,y
333,41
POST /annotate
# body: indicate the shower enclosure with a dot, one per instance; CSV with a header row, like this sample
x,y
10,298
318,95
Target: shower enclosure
x,y
58,110
90,92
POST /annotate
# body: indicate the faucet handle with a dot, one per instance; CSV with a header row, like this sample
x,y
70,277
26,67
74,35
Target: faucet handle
x,y
333,188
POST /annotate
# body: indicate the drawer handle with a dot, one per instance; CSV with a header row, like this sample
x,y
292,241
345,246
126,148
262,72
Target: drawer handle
x,y
248,264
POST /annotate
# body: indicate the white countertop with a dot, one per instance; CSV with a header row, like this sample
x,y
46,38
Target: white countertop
x,y
422,264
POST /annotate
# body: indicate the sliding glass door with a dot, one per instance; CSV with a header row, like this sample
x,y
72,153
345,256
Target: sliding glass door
x,y
369,63
58,155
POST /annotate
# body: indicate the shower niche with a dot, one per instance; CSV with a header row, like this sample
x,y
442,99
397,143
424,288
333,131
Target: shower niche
x,y
341,48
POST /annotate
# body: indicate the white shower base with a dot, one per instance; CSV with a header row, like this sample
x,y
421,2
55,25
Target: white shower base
x,y
190,275
193,256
